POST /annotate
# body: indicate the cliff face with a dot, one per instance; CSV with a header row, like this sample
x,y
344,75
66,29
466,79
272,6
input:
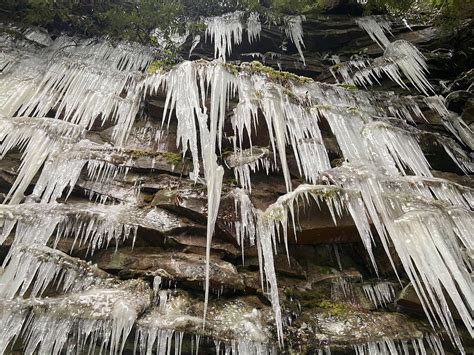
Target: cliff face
x,y
306,191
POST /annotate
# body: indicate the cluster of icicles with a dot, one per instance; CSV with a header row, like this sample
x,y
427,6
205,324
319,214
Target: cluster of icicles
x,y
427,220
226,31
399,57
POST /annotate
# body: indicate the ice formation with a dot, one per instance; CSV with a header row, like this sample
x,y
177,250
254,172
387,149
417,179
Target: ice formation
x,y
452,122
38,267
294,31
247,161
386,180
90,225
426,238
389,346
235,327
85,80
225,31
40,138
376,27
254,27
98,316
399,57
380,294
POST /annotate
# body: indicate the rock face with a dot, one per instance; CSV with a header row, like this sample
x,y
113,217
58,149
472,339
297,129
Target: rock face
x,y
322,198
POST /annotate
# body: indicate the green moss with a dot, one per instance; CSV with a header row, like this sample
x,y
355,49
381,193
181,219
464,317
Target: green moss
x,y
282,77
197,27
231,68
322,107
169,157
139,153
315,300
327,194
157,65
334,309
306,295
172,158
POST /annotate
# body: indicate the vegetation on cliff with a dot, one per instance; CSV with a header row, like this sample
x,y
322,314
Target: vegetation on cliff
x,y
136,20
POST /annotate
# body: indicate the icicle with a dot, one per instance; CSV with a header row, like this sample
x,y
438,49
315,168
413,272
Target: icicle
x,y
348,129
306,139
452,122
380,294
112,313
225,31
85,80
36,267
426,239
387,346
246,161
402,148
341,289
411,62
398,56
183,96
89,224
40,138
375,26
254,27
195,43
457,154
12,318
294,31
245,225
213,174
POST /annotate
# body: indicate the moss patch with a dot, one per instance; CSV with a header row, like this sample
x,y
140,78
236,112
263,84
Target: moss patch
x,y
324,270
282,77
140,153
318,301
158,65
172,158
